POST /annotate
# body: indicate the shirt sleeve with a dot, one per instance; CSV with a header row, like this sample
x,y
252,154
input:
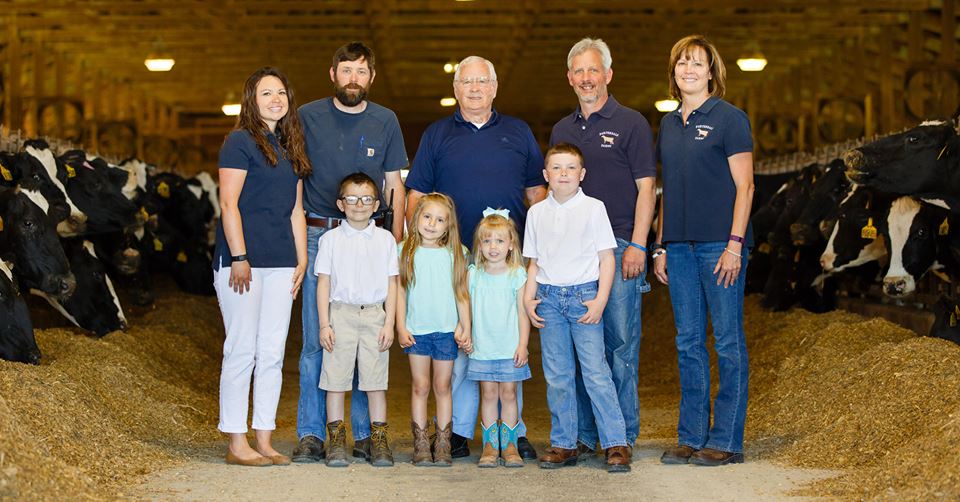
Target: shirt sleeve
x,y
534,160
393,266
396,155
519,278
422,176
530,235
603,232
640,150
324,262
234,153
736,137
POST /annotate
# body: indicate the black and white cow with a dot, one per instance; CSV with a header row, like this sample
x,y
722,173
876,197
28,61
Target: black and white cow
x,y
820,210
95,306
99,196
53,187
946,323
913,232
852,242
923,162
17,342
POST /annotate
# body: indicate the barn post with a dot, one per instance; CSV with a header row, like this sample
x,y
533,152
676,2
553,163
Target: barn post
x,y
948,42
14,113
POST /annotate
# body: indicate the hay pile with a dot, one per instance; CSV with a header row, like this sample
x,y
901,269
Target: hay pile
x,y
98,413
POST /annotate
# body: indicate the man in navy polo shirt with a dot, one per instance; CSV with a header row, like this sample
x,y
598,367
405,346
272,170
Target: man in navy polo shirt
x,y
618,152
344,134
480,159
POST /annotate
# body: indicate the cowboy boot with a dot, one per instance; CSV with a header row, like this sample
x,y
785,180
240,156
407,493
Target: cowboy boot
x,y
508,445
491,446
421,445
441,446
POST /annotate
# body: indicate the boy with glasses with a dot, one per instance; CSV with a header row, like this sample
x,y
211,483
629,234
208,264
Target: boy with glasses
x,y
357,269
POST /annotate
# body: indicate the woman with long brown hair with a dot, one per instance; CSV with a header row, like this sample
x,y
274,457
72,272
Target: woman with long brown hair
x,y
260,258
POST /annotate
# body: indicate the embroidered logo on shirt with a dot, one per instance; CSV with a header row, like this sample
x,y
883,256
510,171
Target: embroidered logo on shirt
x,y
703,131
370,152
608,138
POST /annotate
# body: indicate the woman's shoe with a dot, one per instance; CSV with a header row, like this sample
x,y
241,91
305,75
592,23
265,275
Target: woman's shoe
x,y
279,459
508,444
258,461
491,446
421,445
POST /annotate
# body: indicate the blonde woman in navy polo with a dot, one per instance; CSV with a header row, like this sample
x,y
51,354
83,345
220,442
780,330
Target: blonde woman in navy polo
x,y
706,152
260,259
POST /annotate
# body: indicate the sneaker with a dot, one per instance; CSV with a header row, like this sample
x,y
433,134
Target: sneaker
x,y
459,447
527,451
310,449
361,448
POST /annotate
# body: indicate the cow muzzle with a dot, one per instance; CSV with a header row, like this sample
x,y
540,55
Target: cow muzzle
x,y
897,287
62,286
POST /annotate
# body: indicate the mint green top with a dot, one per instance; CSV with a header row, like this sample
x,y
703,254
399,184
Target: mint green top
x,y
431,302
494,317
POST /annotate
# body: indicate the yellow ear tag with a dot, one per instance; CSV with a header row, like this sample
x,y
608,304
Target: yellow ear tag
x,y
764,248
182,257
953,320
5,173
869,231
71,172
157,244
1,224
944,227
796,257
163,190
143,211
956,310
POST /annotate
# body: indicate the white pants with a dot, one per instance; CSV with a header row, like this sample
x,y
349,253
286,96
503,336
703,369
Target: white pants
x,y
256,323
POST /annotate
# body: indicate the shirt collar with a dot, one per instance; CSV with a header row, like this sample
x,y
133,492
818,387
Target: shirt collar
x,y
703,110
606,111
569,203
349,231
494,117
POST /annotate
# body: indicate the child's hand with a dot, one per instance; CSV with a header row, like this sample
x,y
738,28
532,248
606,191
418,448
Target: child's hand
x,y
405,338
521,356
594,312
327,338
531,306
386,338
462,336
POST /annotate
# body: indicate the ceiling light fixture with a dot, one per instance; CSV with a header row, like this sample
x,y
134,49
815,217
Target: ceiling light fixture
x,y
450,67
448,101
666,105
755,62
159,59
231,107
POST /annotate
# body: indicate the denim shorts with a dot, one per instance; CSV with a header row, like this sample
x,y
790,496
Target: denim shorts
x,y
497,370
438,346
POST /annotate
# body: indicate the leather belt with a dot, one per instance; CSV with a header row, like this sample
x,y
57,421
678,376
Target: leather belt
x,y
324,222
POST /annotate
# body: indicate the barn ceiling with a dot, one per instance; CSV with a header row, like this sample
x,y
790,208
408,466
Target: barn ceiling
x,y
217,44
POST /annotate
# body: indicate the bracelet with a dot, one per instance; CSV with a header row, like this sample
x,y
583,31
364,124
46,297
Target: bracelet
x,y
638,246
727,250
658,253
239,257
735,238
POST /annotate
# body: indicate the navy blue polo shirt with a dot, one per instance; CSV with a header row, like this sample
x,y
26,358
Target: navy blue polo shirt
x,y
339,144
617,147
698,189
266,201
489,166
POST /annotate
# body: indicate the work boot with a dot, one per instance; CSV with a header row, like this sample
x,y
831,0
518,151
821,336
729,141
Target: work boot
x,y
310,449
491,446
508,446
361,448
441,447
421,445
618,458
380,454
337,444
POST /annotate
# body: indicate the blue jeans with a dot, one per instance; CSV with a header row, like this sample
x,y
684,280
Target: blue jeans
x,y
621,340
694,291
312,407
466,400
563,343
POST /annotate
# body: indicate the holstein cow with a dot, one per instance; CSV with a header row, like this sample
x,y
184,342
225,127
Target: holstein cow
x,y
855,239
946,323
923,162
29,237
41,157
16,331
820,211
912,231
95,306
97,195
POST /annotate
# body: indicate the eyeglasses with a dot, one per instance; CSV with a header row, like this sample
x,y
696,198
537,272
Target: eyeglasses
x,y
482,81
353,200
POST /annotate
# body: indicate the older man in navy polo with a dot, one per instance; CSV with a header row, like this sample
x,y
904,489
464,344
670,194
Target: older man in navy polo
x,y
481,159
618,152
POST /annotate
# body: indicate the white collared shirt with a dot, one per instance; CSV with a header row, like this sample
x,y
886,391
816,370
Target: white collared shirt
x,y
359,263
566,239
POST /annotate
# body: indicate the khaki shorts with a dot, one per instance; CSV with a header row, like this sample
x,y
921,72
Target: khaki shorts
x,y
356,329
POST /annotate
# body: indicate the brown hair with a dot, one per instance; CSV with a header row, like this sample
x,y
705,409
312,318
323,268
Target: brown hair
x,y
354,51
361,179
497,223
718,84
450,241
288,130
563,148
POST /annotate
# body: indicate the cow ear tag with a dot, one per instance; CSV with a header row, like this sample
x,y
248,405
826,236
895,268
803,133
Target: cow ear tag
x,y
71,172
143,211
1,223
953,320
182,257
944,227
5,173
796,257
157,244
163,190
764,248
869,231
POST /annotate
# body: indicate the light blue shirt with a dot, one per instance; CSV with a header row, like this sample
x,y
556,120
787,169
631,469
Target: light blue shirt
x,y
493,303
431,302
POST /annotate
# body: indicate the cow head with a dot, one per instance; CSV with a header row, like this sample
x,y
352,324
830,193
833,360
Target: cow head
x,y
795,199
16,330
30,237
911,233
822,202
107,209
44,165
852,242
946,323
914,162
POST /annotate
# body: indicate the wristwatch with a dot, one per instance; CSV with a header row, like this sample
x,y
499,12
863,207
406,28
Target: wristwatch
x,y
239,257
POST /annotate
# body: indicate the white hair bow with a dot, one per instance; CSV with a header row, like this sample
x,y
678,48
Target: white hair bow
x,y
501,212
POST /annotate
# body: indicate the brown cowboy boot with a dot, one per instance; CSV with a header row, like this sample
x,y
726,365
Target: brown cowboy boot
x,y
508,446
421,445
441,446
491,446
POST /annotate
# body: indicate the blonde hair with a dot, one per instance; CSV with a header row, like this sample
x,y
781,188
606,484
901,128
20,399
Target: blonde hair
x,y
497,223
686,45
450,240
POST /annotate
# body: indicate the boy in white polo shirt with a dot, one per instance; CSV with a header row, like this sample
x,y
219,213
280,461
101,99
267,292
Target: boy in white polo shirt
x,y
570,244
357,269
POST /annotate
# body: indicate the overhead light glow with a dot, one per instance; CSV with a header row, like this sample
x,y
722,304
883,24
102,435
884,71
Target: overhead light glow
x,y
755,63
666,105
448,101
159,64
450,67
231,109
